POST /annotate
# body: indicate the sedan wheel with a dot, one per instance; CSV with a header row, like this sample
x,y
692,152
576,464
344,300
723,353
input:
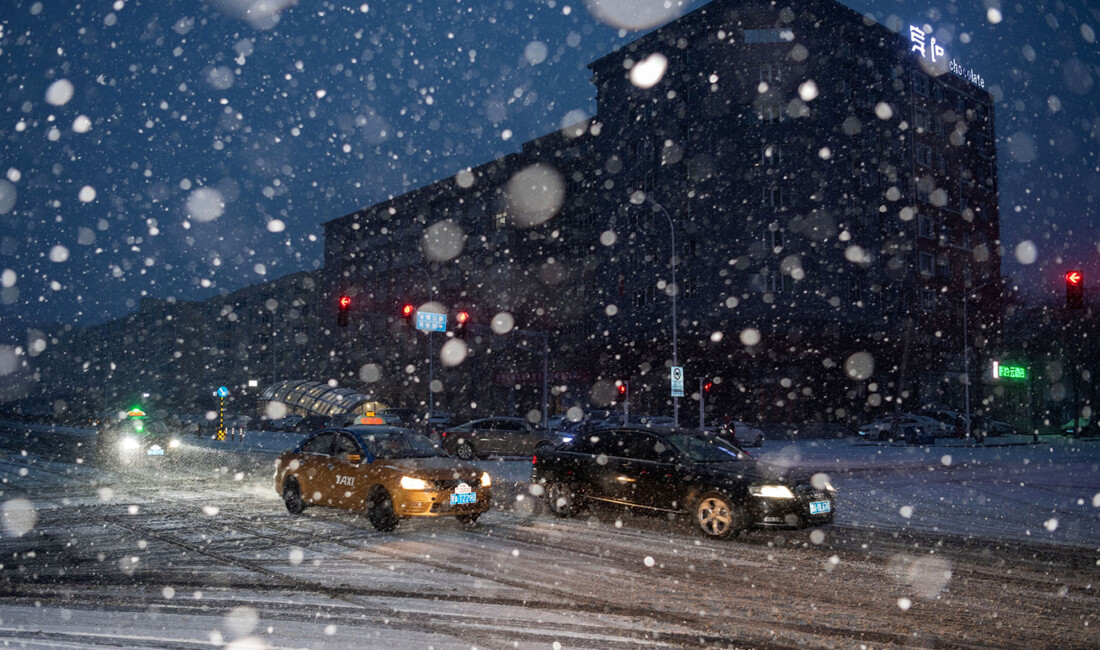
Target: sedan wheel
x,y
468,520
292,497
544,448
561,499
464,451
716,516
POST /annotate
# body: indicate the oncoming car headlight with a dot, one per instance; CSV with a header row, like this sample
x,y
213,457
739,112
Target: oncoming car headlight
x,y
772,491
410,483
486,481
174,443
129,443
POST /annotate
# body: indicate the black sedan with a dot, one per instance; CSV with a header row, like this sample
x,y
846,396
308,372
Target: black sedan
x,y
722,488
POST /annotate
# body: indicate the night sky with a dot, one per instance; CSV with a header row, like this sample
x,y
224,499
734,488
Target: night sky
x,y
186,148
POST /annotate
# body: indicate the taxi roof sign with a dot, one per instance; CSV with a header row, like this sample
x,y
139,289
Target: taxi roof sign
x,y
135,413
368,419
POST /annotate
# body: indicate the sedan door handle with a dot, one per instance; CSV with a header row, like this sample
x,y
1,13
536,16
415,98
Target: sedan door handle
x,y
330,466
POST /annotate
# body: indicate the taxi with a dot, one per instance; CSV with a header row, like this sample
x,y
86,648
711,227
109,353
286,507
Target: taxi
x,y
386,472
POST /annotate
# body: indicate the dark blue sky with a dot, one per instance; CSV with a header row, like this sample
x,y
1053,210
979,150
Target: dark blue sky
x,y
339,106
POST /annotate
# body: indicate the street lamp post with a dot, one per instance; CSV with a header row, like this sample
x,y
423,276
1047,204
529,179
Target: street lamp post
x,y
675,290
966,353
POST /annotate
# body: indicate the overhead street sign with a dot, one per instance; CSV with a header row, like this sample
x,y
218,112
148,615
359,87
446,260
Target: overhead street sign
x,y
431,322
677,377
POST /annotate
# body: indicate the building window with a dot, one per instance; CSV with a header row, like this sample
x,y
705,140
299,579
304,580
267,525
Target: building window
x,y
855,289
775,35
925,226
922,119
771,113
927,299
771,72
927,264
773,239
920,84
966,245
771,154
773,282
777,196
924,155
939,127
500,219
937,91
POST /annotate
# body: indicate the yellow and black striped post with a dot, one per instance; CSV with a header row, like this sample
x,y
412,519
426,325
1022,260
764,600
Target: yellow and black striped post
x,y
221,418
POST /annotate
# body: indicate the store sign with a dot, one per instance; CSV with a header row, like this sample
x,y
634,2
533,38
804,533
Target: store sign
x,y
931,51
1011,372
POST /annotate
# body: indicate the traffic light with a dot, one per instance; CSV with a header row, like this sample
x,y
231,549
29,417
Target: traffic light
x,y
1075,290
407,311
342,313
707,386
461,318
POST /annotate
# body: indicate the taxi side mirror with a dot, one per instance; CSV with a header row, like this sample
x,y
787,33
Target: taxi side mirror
x,y
353,458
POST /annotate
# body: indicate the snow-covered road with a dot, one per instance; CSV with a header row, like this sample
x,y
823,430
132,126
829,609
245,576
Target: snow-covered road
x,y
928,551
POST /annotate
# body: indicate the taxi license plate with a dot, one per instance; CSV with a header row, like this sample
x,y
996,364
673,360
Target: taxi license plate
x,y
155,452
819,507
461,499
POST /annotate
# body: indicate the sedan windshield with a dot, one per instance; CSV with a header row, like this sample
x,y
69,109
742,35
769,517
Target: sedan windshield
x,y
707,449
397,444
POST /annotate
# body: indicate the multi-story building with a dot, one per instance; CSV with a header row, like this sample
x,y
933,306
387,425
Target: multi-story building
x,y
830,185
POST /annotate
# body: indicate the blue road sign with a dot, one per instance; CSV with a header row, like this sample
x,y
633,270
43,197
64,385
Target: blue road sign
x,y
223,391
431,322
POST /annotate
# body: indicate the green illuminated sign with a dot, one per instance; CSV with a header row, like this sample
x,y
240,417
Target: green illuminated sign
x,y
1011,372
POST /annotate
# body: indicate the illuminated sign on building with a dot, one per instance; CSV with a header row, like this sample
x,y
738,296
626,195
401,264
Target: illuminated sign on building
x,y
1001,371
933,52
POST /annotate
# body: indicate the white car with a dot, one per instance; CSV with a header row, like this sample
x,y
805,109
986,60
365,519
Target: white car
x,y
883,428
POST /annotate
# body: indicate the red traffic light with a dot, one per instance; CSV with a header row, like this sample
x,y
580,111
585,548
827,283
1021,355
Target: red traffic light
x,y
622,389
1075,277
407,311
462,317
708,386
345,302
1075,289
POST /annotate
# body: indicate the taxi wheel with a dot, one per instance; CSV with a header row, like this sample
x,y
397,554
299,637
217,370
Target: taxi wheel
x,y
544,447
717,516
468,520
759,442
292,497
464,451
561,499
380,510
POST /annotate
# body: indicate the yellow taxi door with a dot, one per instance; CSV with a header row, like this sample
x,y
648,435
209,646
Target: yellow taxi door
x,y
315,470
348,488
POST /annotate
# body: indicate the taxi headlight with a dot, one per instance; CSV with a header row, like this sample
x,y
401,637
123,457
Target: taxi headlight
x,y
174,443
129,443
410,483
486,481
772,491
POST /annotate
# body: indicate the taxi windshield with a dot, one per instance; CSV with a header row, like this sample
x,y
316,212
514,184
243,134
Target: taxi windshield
x,y
399,444
707,449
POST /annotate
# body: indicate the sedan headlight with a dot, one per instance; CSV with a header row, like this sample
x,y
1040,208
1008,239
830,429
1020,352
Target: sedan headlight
x,y
129,443
486,481
772,491
174,443
410,483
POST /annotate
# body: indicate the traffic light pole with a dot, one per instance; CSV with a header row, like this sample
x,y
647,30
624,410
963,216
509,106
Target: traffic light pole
x,y
702,406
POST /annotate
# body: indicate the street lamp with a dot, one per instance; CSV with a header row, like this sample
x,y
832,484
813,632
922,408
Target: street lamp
x,y
638,198
966,352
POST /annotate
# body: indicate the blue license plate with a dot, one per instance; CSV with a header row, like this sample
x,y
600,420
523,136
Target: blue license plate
x,y
820,507
461,499
155,452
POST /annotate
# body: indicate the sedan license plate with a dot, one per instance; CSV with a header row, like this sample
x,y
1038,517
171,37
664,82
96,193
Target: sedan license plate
x,y
820,507
155,451
461,499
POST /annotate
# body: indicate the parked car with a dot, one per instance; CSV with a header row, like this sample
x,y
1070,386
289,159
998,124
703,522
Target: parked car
x,y
1073,426
616,420
385,472
739,433
684,472
498,435
883,428
311,423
